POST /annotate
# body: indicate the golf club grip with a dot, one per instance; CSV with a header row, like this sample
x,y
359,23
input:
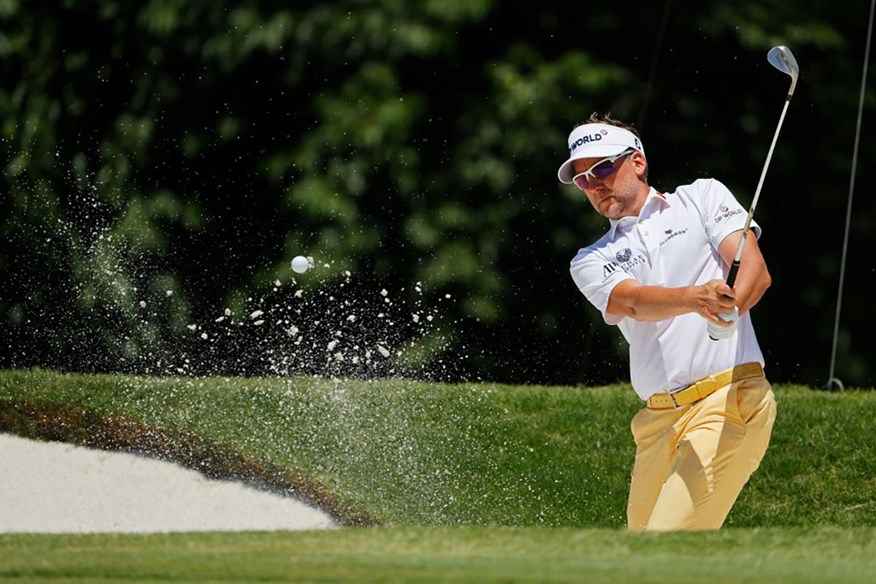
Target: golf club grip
x,y
731,275
731,279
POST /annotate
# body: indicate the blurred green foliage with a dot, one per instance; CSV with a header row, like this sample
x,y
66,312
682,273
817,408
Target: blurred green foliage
x,y
180,153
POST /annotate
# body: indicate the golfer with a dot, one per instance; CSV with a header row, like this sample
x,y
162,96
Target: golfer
x,y
658,275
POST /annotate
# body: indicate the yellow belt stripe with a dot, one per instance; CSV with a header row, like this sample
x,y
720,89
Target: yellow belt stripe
x,y
704,387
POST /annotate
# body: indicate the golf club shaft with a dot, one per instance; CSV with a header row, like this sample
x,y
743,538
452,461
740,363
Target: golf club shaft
x,y
734,267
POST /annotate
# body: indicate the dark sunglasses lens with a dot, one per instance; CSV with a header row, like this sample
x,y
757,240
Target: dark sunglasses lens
x,y
601,170
604,169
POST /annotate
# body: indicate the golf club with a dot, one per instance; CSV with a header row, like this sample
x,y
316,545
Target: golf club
x,y
782,59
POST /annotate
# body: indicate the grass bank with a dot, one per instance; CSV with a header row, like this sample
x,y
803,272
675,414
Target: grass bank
x,y
476,555
397,452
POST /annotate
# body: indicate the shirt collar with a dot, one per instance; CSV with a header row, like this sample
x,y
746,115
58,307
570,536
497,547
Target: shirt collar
x,y
654,198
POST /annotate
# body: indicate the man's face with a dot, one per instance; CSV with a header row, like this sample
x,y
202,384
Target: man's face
x,y
620,194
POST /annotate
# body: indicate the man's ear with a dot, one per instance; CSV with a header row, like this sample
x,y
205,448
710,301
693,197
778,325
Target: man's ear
x,y
640,164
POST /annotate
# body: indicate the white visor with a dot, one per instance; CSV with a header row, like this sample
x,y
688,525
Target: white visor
x,y
597,141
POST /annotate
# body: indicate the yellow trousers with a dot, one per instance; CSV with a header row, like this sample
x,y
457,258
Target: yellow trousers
x,y
691,463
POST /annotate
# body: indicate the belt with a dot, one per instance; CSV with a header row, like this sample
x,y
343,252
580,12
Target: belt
x,y
704,387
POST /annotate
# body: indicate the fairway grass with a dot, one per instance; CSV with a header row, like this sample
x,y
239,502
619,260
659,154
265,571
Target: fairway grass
x,y
470,482
397,452
444,554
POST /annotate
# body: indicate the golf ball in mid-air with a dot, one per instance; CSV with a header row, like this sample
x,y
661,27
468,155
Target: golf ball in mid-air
x,y
300,264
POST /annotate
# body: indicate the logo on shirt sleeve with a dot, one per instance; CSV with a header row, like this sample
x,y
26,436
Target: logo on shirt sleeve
x,y
724,212
624,255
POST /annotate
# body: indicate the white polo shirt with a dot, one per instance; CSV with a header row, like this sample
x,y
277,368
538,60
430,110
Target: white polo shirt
x,y
672,243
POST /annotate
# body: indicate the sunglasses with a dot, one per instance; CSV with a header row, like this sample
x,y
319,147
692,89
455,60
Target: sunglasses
x,y
601,169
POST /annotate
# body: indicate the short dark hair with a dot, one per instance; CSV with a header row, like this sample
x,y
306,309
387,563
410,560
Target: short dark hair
x,y
608,119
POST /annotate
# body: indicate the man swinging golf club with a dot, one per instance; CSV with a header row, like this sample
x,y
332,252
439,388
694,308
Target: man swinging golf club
x,y
658,274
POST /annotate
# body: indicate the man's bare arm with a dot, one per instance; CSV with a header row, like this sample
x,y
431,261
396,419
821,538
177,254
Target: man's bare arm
x,y
753,278
654,303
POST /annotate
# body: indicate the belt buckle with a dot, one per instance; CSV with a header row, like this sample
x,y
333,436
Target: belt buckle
x,y
671,395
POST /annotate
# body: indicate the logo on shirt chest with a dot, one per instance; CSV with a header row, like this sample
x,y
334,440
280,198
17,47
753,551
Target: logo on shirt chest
x,y
671,234
625,261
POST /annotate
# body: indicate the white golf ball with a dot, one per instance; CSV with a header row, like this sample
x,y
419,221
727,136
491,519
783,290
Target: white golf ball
x,y
300,264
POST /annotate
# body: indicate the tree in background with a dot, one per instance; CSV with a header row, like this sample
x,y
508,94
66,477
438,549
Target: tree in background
x,y
164,163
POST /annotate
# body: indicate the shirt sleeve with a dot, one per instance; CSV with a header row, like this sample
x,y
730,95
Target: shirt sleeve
x,y
596,275
721,212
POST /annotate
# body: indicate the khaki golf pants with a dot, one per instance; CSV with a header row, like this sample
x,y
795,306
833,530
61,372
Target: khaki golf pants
x,y
691,463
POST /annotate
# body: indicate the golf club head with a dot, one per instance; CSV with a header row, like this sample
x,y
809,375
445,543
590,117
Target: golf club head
x,y
783,59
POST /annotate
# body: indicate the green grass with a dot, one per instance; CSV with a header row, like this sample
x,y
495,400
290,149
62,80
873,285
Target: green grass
x,y
400,452
471,482
477,555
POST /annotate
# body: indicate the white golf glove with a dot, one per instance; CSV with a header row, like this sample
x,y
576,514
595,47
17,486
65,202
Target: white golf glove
x,y
724,332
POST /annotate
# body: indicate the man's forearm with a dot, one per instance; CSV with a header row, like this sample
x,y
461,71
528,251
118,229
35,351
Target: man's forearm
x,y
656,303
753,278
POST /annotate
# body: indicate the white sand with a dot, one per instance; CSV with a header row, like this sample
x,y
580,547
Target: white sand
x,y
52,487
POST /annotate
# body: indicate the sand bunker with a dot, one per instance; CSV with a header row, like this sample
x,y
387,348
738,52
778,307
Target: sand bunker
x,y
51,487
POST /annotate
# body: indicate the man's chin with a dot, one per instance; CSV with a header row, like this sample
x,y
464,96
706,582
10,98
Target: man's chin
x,y
612,211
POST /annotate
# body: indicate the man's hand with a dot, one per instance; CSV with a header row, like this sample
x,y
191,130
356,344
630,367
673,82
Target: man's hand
x,y
715,298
